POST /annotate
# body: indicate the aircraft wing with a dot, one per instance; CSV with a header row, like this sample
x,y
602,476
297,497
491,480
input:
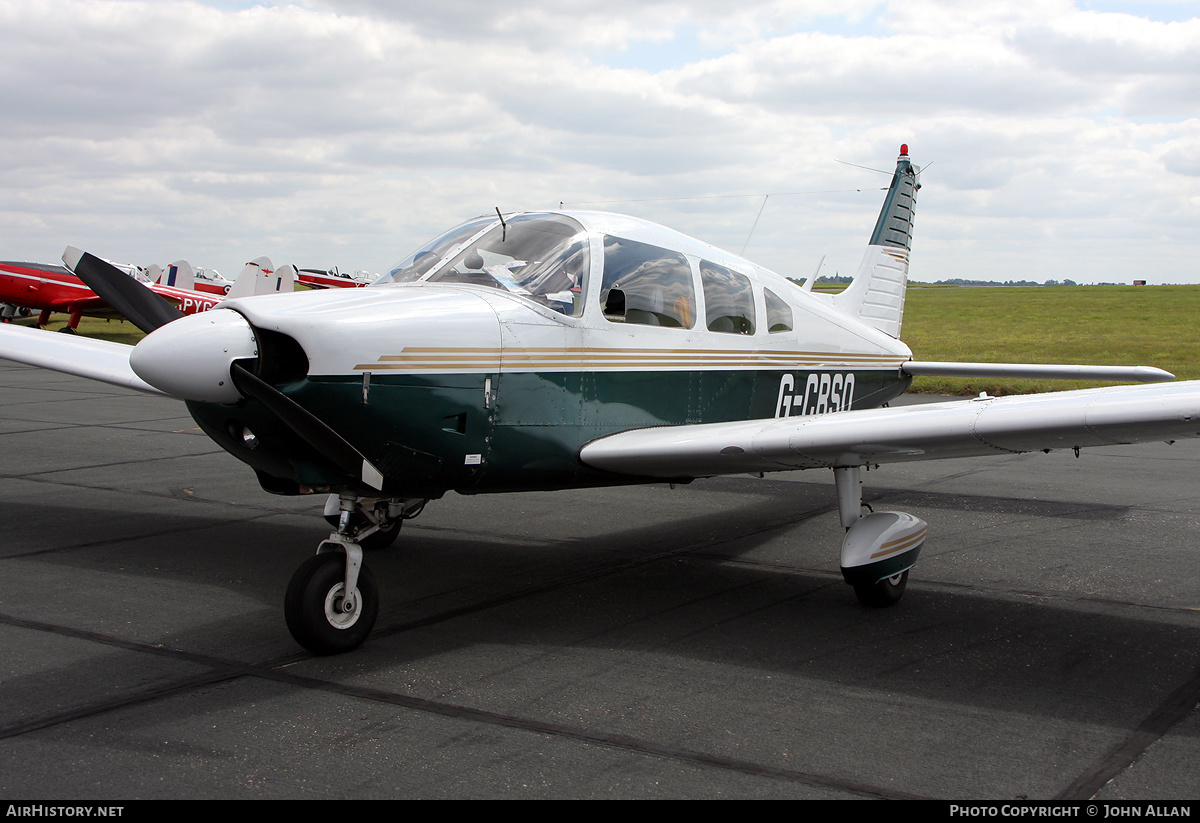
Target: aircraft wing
x,y
86,302
89,304
99,360
963,428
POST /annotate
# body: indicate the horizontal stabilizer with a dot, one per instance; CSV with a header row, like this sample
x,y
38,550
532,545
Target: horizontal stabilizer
x,y
1037,371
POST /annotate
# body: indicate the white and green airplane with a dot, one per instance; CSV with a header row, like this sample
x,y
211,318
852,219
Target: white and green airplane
x,y
558,350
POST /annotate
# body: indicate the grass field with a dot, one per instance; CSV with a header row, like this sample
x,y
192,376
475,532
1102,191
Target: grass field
x,y
118,331
1103,325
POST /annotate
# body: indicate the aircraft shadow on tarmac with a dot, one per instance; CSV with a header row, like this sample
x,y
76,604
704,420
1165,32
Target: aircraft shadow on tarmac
x,y
747,583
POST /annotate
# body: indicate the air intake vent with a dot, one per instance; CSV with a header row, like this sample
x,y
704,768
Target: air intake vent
x,y
280,358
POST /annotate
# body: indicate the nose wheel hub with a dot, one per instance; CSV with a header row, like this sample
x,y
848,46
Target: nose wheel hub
x,y
342,612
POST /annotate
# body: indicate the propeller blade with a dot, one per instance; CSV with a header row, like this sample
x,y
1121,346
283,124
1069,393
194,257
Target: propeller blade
x,y
309,427
140,306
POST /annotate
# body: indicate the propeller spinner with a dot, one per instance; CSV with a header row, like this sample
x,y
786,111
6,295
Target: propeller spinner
x,y
191,357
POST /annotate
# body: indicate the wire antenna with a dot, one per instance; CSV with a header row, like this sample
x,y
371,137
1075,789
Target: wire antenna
x,y
563,203
868,168
766,197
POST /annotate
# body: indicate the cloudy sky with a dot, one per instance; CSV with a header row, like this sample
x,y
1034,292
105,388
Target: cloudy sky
x,y
1062,138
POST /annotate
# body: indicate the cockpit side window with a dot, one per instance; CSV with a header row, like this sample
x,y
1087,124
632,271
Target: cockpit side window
x,y
424,259
779,313
544,258
728,299
646,285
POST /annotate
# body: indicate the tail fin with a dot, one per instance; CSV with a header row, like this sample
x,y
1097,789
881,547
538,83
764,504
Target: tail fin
x,y
261,277
285,278
876,296
179,274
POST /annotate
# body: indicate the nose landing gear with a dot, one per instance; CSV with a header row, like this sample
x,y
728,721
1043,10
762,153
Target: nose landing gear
x,y
319,614
332,600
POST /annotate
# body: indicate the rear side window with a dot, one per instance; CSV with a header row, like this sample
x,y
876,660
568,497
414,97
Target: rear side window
x,y
728,299
646,285
779,313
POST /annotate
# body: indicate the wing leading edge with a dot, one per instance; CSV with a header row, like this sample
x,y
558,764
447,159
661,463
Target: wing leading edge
x,y
99,360
966,428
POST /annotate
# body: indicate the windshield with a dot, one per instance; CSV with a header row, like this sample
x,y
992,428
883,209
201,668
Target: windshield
x,y
542,257
417,264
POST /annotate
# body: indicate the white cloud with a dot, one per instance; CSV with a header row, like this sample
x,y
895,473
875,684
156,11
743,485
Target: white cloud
x,y
342,132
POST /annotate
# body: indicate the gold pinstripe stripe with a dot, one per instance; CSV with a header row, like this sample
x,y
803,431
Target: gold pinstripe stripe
x,y
900,544
531,359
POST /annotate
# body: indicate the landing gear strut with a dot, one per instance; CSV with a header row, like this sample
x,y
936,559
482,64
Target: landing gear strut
x,y
332,600
72,326
374,525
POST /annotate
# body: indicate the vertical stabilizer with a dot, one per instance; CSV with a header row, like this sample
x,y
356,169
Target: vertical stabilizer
x,y
876,296
257,277
179,275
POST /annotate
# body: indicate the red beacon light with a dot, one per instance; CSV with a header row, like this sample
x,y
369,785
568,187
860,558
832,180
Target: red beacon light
x,y
904,149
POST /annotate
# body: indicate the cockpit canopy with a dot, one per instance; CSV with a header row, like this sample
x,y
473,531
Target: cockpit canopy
x,y
546,258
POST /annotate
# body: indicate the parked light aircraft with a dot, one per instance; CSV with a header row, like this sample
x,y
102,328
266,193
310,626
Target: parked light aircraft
x,y
182,275
47,288
569,349
50,289
334,279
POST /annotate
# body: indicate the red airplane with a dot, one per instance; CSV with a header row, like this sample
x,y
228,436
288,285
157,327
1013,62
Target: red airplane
x,y
334,279
181,275
48,289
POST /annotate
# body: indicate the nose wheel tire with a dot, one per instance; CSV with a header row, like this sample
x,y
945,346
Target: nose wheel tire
x,y
314,605
886,592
